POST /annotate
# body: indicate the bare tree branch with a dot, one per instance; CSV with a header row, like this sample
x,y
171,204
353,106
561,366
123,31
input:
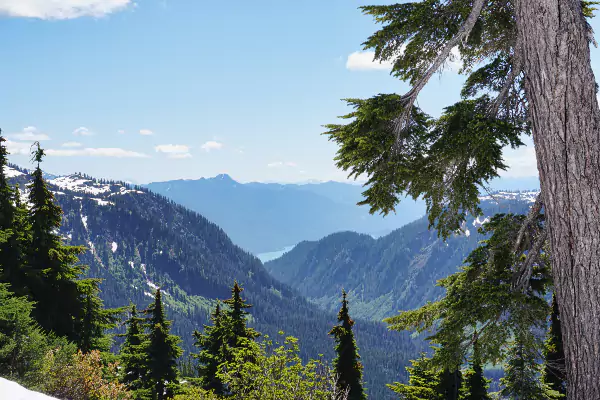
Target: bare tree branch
x,y
523,274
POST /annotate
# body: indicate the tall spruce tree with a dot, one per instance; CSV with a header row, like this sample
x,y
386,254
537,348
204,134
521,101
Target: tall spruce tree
x,y
95,320
162,351
347,365
211,344
522,375
475,386
133,352
52,272
15,230
450,382
237,330
554,374
505,47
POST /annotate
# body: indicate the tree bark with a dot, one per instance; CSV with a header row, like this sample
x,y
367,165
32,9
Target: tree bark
x,y
560,89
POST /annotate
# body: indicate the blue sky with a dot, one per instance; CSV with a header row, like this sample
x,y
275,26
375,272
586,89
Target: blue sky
x,y
167,89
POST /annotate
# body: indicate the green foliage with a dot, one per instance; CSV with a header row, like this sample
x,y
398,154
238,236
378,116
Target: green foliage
x,y
211,344
347,365
133,355
235,318
277,372
195,393
521,373
475,385
423,382
480,296
162,351
445,162
554,374
22,344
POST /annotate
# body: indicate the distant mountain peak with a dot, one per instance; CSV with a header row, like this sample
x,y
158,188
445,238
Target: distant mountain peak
x,y
224,177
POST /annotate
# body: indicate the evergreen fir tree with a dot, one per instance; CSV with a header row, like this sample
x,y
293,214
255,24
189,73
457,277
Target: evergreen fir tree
x,y
521,375
347,363
423,382
235,317
450,382
162,351
95,319
475,386
133,352
51,272
554,374
11,223
211,343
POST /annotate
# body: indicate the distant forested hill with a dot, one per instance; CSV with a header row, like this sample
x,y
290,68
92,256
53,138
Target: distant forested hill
x,y
138,240
391,273
263,217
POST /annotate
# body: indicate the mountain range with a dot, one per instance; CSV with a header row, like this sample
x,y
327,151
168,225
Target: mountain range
x,y
394,272
137,241
265,217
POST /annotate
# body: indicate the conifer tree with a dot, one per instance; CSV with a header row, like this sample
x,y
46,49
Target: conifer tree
x,y
14,228
554,374
347,365
450,382
529,73
235,317
162,351
522,375
211,343
133,352
475,385
95,319
51,271
423,382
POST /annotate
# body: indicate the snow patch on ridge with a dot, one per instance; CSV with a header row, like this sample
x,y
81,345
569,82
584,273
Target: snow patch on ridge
x,y
11,172
114,246
84,220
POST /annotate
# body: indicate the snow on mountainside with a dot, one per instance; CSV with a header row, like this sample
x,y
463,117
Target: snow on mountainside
x,y
11,172
526,196
13,391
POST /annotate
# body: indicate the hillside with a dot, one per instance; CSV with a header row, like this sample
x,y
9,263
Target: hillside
x,y
263,217
138,240
395,272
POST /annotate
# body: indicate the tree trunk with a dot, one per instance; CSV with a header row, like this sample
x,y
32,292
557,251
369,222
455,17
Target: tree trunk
x,y
560,88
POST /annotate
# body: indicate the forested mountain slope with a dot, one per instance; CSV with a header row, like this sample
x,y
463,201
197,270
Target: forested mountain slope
x,y
391,273
138,240
262,217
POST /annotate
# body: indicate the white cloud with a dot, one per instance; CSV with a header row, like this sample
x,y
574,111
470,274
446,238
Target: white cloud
x,y
61,9
521,162
180,156
211,145
82,130
146,132
363,60
121,132
30,134
174,150
96,152
18,147
71,144
278,164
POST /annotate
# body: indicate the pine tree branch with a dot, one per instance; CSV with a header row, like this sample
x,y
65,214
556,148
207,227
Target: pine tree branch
x,y
409,98
534,211
523,274
516,69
